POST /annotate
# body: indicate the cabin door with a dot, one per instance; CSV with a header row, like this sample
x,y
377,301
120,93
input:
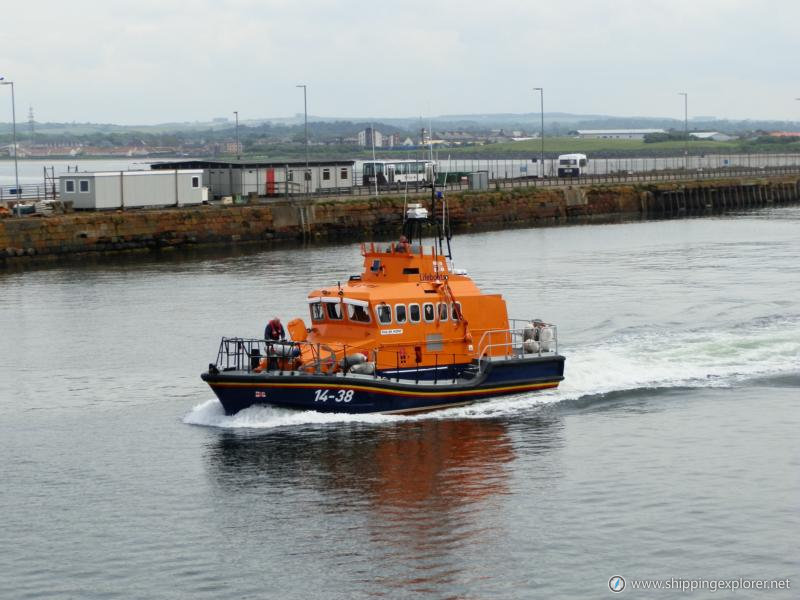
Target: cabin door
x,y
390,173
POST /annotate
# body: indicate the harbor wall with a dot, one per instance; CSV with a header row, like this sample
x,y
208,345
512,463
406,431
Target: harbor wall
x,y
359,219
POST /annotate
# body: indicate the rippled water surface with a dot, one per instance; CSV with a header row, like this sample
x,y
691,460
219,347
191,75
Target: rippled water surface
x,y
670,450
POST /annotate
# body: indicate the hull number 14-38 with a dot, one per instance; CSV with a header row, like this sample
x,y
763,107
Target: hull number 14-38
x,y
336,396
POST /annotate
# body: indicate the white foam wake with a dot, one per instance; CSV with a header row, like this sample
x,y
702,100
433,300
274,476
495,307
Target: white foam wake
x,y
650,357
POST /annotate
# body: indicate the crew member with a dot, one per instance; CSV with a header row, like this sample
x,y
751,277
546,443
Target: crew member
x,y
274,330
403,245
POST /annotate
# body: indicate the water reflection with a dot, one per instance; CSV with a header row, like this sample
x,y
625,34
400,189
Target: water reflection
x,y
417,497
402,465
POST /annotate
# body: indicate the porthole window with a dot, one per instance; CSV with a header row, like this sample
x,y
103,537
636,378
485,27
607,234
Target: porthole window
x,y
384,312
413,313
427,312
443,311
453,312
400,316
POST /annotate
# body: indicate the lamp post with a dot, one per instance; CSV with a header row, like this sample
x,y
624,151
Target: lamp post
x,y
685,128
238,154
307,175
14,141
541,133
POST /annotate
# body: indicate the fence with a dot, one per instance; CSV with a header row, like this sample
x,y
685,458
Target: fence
x,y
27,191
507,173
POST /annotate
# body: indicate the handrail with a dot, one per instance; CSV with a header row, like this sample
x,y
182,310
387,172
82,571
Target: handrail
x,y
516,345
238,354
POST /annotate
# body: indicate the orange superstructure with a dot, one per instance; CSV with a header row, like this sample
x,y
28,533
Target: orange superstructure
x,y
406,310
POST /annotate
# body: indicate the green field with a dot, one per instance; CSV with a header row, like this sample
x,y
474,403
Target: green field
x,y
564,145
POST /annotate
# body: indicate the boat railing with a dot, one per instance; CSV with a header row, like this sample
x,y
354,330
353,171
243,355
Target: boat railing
x,y
245,354
523,338
252,355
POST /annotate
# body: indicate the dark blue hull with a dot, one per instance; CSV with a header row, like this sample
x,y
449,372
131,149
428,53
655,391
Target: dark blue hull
x,y
238,390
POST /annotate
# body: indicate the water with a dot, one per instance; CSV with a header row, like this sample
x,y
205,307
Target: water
x,y
669,451
31,171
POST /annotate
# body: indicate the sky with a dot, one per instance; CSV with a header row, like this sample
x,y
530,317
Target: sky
x,y
156,61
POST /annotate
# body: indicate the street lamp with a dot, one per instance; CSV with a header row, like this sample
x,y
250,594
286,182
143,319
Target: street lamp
x,y
14,141
541,134
238,154
307,175
685,127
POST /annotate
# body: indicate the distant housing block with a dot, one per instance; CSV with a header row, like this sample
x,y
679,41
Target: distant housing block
x,y
366,136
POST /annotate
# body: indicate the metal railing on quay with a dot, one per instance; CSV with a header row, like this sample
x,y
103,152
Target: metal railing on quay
x,y
28,191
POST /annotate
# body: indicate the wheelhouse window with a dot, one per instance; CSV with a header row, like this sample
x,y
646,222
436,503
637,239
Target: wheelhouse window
x,y
69,185
384,312
343,174
427,312
358,314
195,181
400,315
443,311
413,313
326,174
334,310
83,186
316,311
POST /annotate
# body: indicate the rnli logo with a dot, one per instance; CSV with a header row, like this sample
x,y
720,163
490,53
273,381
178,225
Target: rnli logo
x,y
261,394
391,331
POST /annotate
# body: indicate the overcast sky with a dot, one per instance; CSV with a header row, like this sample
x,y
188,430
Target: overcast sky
x,y
152,61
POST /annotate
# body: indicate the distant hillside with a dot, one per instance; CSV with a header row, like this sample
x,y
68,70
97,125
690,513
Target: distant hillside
x,y
271,136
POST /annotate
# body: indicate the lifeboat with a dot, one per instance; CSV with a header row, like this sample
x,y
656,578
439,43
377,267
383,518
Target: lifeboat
x,y
409,333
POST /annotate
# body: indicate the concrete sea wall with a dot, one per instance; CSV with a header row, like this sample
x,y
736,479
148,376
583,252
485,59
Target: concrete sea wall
x,y
358,219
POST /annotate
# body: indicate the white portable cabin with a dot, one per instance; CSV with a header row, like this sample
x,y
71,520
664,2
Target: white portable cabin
x,y
269,178
132,189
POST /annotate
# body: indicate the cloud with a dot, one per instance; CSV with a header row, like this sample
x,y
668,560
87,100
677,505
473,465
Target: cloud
x,y
151,61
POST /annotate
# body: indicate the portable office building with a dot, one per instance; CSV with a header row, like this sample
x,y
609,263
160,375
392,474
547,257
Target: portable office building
x,y
270,178
132,189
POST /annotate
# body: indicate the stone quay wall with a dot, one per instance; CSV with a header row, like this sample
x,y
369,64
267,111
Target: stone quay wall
x,y
359,219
